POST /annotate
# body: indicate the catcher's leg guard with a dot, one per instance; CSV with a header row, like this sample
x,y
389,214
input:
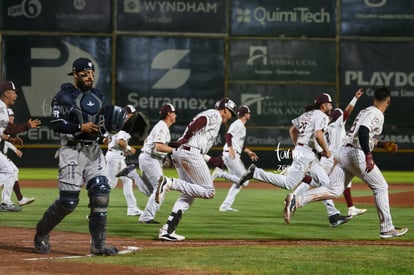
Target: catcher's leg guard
x,y
98,192
60,208
173,221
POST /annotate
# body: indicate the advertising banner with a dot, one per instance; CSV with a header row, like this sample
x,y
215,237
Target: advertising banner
x,y
377,18
62,15
187,72
369,65
201,16
282,60
40,64
278,17
276,105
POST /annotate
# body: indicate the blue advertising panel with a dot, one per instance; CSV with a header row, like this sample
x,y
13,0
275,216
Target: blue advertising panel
x,y
369,65
201,16
62,15
377,18
278,17
187,72
282,60
276,105
40,64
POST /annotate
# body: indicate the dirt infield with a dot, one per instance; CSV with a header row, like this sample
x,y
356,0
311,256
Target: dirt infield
x,y
18,257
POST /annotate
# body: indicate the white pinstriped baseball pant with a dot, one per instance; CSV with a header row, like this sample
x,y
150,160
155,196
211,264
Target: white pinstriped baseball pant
x,y
194,178
351,163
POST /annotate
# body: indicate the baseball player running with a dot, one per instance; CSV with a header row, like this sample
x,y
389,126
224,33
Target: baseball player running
x,y
335,136
232,149
118,149
8,171
153,153
307,134
355,158
194,175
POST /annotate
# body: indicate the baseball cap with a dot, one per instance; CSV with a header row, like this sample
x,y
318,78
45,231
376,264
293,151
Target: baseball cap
x,y
10,112
82,64
226,103
7,85
165,109
130,109
243,110
335,114
323,98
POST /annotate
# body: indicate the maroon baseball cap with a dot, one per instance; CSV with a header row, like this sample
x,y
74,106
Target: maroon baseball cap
x,y
323,98
243,110
82,64
130,109
165,109
6,86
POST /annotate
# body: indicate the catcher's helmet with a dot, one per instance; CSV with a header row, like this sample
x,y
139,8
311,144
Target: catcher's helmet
x,y
226,103
111,119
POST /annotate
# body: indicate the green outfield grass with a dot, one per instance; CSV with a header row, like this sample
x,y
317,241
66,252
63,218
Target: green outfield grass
x,y
259,218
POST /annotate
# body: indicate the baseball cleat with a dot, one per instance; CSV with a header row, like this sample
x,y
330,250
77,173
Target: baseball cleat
x,y
216,173
9,208
396,232
173,237
107,250
227,209
247,175
134,212
41,243
25,201
164,185
124,172
290,207
337,219
353,211
149,222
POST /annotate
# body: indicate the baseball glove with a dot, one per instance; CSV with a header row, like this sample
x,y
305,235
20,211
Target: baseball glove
x,y
391,146
137,126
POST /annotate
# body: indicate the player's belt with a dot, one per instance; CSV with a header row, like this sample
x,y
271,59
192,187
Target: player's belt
x,y
154,155
80,142
117,151
229,151
305,145
189,148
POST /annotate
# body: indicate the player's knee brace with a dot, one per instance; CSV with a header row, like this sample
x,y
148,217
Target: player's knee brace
x,y
64,205
98,192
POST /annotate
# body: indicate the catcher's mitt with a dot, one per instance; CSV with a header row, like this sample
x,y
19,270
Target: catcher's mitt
x,y
391,146
137,126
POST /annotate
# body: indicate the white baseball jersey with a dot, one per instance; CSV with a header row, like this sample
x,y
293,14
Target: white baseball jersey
x,y
370,117
307,124
206,137
4,117
238,132
335,133
160,133
113,140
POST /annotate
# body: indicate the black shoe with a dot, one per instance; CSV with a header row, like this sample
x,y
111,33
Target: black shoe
x,y
337,219
41,243
124,172
149,222
247,175
107,250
